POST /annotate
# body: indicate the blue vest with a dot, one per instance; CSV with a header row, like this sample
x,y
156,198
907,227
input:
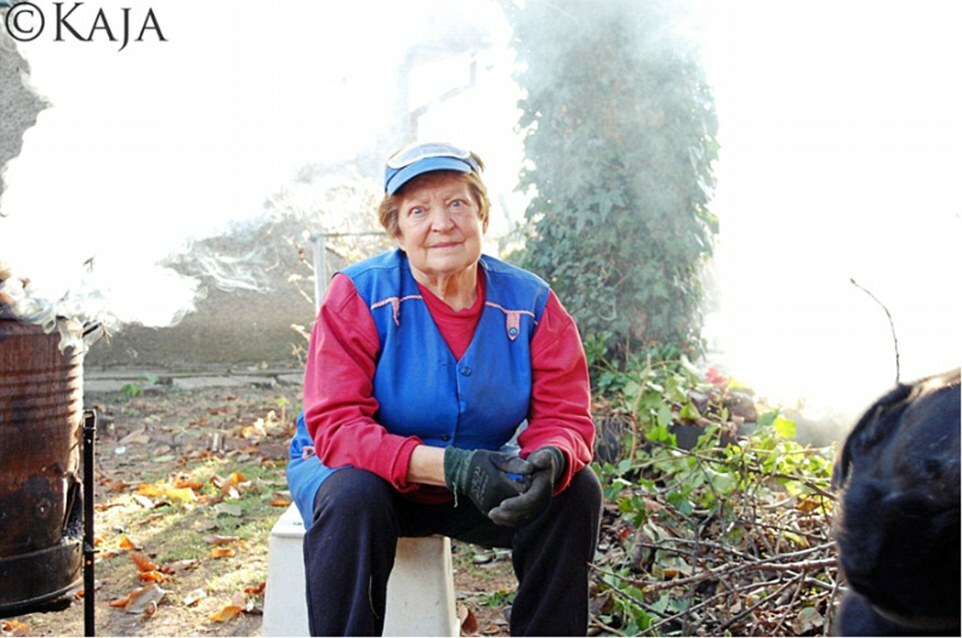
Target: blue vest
x,y
478,402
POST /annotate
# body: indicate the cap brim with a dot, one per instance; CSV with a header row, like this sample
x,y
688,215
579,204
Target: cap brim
x,y
426,165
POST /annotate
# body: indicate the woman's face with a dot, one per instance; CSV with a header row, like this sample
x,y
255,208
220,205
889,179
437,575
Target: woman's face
x,y
439,225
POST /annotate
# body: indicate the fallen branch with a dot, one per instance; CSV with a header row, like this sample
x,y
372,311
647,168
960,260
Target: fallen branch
x,y
752,608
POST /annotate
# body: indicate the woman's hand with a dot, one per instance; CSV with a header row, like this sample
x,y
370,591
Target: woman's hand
x,y
487,478
547,464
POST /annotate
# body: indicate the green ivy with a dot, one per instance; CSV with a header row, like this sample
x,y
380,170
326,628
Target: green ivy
x,y
620,138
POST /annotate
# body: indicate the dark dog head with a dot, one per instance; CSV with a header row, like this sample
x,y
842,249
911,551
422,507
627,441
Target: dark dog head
x,y
898,533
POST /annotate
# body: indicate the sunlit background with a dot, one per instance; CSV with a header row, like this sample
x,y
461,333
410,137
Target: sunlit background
x,y
841,139
840,128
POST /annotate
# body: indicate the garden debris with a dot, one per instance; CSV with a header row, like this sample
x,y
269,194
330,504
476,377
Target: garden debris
x,y
194,597
13,628
467,620
730,535
180,566
141,600
227,612
246,601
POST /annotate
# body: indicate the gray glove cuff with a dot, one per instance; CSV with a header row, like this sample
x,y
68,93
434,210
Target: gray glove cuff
x,y
456,468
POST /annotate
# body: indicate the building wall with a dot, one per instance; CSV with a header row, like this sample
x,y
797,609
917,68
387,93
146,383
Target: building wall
x,y
233,328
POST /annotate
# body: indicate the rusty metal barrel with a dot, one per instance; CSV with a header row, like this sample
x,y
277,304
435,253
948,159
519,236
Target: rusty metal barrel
x,y
41,432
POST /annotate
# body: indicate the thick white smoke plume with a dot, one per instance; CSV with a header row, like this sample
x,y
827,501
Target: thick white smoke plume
x,y
145,151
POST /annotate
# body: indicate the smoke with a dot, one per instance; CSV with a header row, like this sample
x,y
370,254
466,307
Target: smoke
x,y
840,130
841,140
146,153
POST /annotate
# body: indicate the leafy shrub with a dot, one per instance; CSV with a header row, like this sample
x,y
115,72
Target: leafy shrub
x,y
620,138
729,536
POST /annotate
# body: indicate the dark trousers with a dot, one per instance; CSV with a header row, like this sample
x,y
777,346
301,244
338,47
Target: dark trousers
x,y
358,517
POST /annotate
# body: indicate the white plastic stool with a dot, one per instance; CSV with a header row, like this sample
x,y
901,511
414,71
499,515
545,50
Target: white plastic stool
x,y
420,591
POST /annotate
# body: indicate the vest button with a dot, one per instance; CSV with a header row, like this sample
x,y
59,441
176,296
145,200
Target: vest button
x,y
465,370
445,437
513,332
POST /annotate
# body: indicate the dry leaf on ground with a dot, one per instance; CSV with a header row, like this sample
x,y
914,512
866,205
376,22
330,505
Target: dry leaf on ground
x,y
13,628
222,552
469,624
180,566
143,562
126,543
228,612
195,596
139,600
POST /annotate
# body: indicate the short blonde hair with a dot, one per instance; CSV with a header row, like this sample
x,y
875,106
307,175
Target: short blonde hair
x,y
388,210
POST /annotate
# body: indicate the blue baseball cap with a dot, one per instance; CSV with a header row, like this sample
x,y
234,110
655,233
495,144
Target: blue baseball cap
x,y
417,159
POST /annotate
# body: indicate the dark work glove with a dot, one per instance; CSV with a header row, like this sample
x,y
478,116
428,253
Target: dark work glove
x,y
546,465
487,478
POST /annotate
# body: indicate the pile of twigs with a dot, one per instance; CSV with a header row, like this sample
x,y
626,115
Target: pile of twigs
x,y
759,562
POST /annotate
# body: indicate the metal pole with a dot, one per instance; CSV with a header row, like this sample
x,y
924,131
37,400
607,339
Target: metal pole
x,y
320,270
320,261
90,429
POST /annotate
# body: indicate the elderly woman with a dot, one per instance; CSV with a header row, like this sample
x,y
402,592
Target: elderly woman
x,y
446,392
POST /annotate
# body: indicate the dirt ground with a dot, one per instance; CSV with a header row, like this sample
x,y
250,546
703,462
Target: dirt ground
x,y
189,483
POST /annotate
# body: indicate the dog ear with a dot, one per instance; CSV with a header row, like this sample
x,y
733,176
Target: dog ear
x,y
876,424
